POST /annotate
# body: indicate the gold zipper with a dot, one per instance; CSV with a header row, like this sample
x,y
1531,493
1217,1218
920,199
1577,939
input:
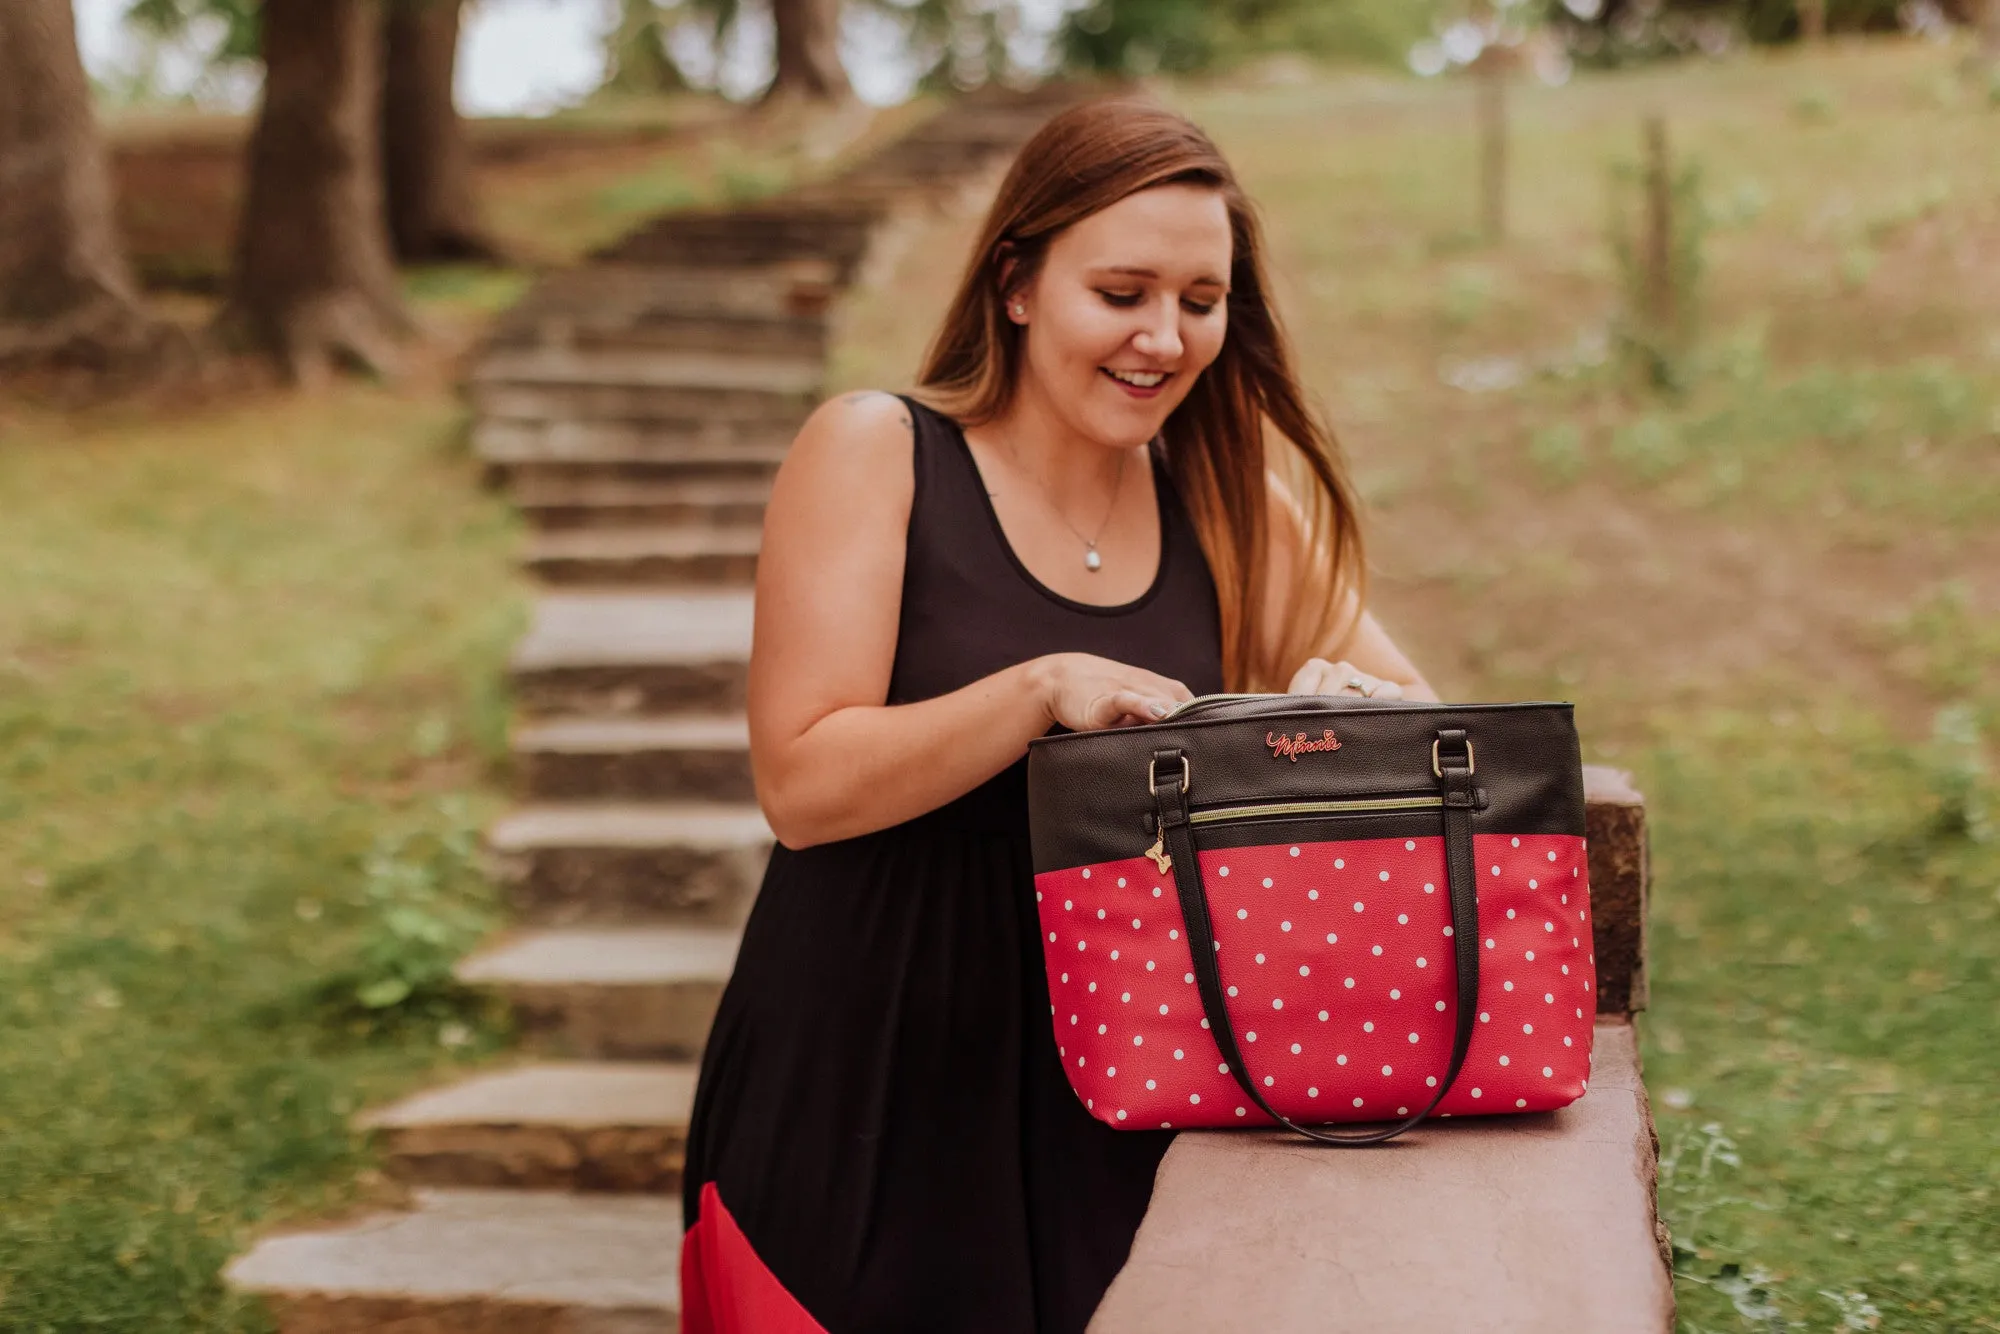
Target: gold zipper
x,y
1349,806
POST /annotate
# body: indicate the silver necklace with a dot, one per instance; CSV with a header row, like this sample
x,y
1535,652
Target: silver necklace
x,y
1092,561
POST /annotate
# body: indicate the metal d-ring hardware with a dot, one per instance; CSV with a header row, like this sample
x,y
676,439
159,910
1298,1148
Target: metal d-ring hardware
x,y
1152,774
1435,769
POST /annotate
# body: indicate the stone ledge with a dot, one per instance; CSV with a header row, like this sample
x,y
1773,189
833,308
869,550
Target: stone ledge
x,y
1490,1225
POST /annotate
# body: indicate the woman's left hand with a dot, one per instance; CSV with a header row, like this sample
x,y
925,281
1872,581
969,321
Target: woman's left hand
x,y
1320,677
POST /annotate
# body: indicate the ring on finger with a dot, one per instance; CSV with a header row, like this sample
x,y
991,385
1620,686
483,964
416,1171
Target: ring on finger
x,y
1357,685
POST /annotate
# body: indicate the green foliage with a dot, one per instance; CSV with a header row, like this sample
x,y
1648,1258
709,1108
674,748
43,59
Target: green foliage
x,y
1658,342
1557,453
1175,36
235,20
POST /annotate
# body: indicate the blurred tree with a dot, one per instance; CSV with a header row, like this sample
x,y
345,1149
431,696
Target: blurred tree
x,y
65,287
426,160
636,56
312,282
808,33
1989,34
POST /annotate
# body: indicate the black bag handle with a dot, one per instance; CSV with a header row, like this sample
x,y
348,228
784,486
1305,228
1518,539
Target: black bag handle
x,y
1452,762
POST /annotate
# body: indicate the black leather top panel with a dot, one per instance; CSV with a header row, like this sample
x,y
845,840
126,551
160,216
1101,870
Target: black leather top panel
x,y
1089,801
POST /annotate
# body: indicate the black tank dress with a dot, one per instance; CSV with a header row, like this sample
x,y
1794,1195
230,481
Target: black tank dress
x,y
882,1138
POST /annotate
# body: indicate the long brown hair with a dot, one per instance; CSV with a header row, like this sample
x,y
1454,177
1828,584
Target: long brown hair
x,y
1085,159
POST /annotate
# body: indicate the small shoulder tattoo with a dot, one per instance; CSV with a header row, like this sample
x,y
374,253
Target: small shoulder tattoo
x,y
861,396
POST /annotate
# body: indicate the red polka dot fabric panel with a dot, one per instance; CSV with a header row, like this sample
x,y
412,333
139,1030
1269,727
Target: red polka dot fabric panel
x,y
1337,962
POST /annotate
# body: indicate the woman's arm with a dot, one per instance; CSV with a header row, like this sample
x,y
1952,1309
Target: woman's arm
x,y
832,760
1360,646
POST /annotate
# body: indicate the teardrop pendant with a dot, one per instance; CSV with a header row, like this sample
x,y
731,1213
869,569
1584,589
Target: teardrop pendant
x,y
1092,561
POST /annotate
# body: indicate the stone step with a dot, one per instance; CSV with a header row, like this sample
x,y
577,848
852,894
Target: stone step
x,y
570,1125
669,332
614,295
760,235
478,1262
618,556
666,410
628,652
565,503
564,863
557,366
683,757
616,992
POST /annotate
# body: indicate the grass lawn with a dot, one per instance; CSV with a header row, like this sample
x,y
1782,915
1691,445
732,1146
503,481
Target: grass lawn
x,y
1774,595
250,665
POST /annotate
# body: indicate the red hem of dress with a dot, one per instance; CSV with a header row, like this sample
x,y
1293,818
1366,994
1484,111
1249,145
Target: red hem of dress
x,y
725,1287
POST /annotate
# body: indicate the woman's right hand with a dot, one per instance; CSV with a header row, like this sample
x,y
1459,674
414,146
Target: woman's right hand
x,y
1085,693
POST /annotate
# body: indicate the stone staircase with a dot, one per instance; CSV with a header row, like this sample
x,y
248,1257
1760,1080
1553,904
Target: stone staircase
x,y
636,408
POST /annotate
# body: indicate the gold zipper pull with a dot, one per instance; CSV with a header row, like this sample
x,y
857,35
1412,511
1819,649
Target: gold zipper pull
x,y
1158,852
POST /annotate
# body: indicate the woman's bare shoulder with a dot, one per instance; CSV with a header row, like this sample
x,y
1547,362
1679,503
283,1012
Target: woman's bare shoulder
x,y
852,454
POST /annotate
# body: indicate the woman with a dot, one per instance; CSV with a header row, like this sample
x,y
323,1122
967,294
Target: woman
x,y
1076,523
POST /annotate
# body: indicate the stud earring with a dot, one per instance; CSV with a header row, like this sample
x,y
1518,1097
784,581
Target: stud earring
x,y
1020,311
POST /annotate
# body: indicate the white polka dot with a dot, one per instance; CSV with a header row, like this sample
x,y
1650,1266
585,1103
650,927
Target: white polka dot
x,y
1357,1102
1510,914
1565,898
1566,1041
1222,1069
1100,1028
1382,875
1475,1093
1121,1113
1340,1060
1430,1081
1548,926
1187,977
1332,938
1422,962
1549,999
1052,935
1100,914
1267,882
1135,924
1552,856
1166,1125
1239,1111
1121,882
1447,931
1223,871
1489,942
1194,1097
1112,1073
1312,894
1079,944
1357,905
1093,986
1151,1085
1065,977
1178,1053
1138,1040
1296,1049
1503,1060
1322,1016
1242,913
1313,1092
1173,935
1531,956
1268,1081
1232,991
1149,965
1350,982
1579,1014
1295,852
1388,1070
1527,1028
1548,1072
1484,1017
1079,1060
1260,958
1277,1004
1250,1037
1402,1111
1520,1102
1413,1037
1378,949
1086,873
1127,998
1395,993
1430,888
1305,970
1533,885
1339,864
1072,1019
1038,896
1508,985
1114,954
1156,891
1496,870
1368,1025
1284,926
1440,1005
1409,845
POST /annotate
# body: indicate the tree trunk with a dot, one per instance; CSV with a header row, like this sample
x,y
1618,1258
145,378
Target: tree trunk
x,y
426,161
313,282
66,291
1812,20
1989,34
808,51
